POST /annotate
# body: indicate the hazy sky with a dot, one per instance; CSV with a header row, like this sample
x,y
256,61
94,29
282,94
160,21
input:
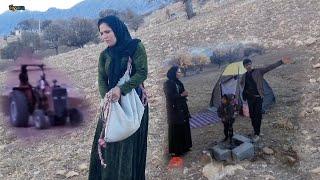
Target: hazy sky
x,y
38,5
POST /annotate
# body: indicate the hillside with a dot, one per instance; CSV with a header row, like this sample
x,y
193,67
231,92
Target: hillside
x,y
276,25
87,8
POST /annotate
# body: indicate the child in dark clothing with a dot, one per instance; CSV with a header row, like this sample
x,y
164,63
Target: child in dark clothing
x,y
226,113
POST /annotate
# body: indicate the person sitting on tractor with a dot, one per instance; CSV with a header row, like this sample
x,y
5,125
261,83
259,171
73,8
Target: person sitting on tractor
x,y
43,84
26,86
43,87
23,77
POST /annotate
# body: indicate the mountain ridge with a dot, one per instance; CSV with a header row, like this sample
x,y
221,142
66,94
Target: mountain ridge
x,y
87,8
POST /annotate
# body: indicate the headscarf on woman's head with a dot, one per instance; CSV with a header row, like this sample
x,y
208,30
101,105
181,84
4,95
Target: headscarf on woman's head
x,y
172,76
172,73
124,47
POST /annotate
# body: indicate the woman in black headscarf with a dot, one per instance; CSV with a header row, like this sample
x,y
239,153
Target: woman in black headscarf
x,y
125,159
177,113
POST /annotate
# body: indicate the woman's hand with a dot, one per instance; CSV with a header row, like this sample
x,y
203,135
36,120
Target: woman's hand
x,y
286,60
102,142
185,93
116,94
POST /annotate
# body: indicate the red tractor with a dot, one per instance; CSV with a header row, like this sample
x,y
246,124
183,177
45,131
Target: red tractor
x,y
48,105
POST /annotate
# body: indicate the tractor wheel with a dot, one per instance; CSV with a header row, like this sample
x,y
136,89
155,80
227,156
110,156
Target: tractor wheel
x,y
19,111
75,116
52,117
41,121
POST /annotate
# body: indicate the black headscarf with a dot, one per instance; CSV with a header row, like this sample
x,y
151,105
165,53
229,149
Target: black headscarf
x,y
172,76
172,73
124,47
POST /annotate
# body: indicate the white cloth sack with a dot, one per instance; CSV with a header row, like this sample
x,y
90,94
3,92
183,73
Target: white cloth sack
x,y
124,119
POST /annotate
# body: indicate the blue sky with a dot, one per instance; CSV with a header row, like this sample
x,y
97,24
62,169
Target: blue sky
x,y
38,5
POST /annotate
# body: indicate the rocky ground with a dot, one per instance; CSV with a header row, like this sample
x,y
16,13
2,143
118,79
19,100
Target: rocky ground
x,y
291,129
277,155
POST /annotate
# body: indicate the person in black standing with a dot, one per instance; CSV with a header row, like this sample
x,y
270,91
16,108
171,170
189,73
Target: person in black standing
x,y
252,83
177,113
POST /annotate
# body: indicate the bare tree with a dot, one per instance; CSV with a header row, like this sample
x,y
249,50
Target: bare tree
x,y
132,19
5,38
28,25
189,8
45,24
54,33
168,14
31,40
12,50
79,32
107,12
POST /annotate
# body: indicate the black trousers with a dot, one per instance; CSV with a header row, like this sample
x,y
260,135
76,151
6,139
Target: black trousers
x,y
228,130
255,111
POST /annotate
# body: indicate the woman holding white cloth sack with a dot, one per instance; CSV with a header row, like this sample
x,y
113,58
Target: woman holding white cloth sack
x,y
124,159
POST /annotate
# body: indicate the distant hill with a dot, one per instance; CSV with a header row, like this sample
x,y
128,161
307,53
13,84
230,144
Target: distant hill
x,y
86,8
